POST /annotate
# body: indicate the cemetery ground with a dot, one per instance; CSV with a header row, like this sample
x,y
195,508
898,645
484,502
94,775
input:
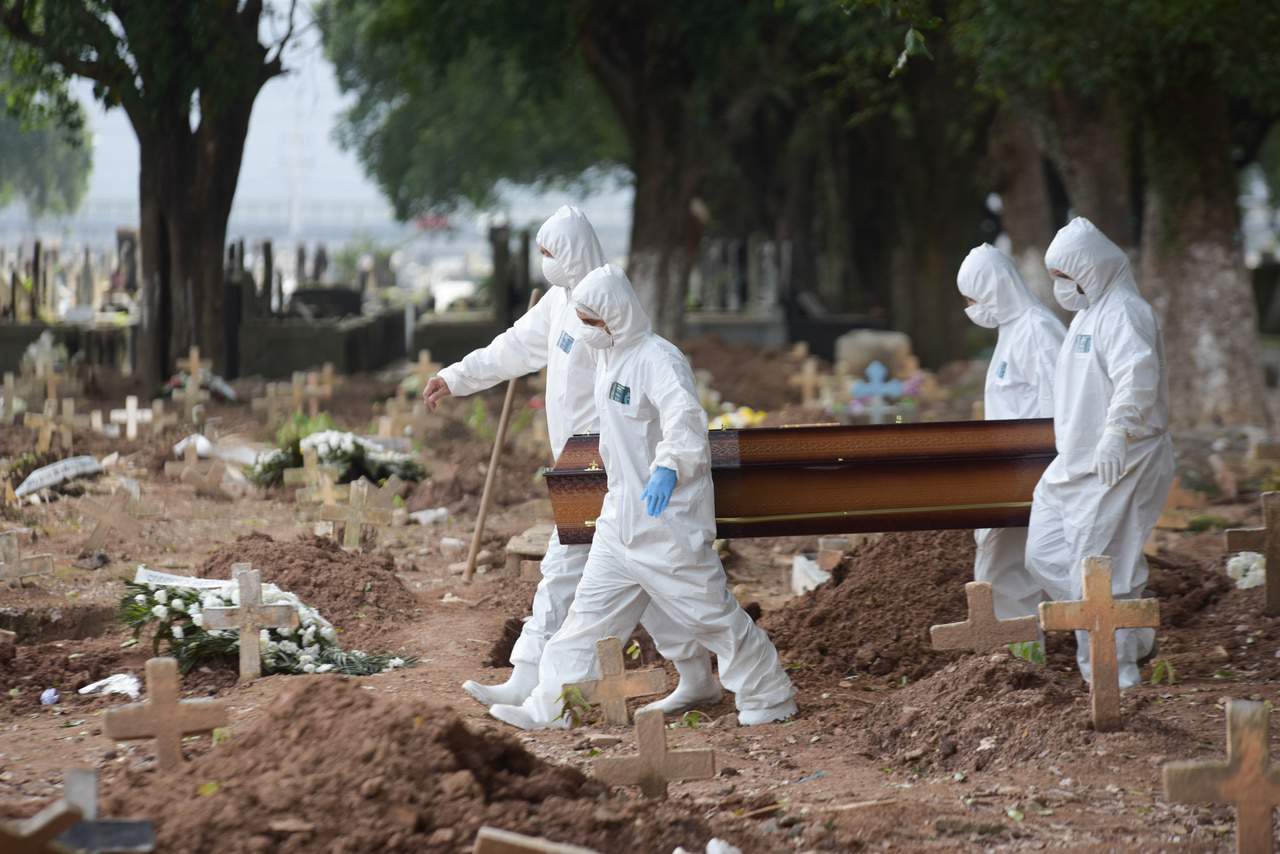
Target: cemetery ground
x,y
896,747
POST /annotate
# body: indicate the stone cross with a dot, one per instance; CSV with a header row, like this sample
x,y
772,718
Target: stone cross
x,y
131,416
8,405
315,392
112,515
875,388
325,490
192,395
90,835
807,381
615,684
159,420
311,472
36,835
190,460
656,764
297,391
356,514
249,618
270,404
162,716
1100,615
492,840
982,631
15,567
1246,779
193,364
1267,541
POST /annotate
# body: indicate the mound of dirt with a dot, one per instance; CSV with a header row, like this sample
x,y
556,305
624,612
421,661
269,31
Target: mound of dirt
x,y
332,767
873,617
990,711
745,374
1185,589
358,592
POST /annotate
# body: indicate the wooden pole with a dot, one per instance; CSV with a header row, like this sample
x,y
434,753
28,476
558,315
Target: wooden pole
x,y
499,440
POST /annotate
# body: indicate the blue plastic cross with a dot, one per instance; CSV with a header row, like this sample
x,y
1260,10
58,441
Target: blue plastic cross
x,y
874,389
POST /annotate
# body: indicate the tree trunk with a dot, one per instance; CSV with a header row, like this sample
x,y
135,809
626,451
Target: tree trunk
x,y
1192,267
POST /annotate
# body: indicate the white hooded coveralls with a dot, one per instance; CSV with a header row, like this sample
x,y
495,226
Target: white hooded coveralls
x,y
650,417
1110,376
1019,385
546,337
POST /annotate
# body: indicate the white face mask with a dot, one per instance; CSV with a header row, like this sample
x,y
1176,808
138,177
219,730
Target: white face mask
x,y
1068,295
595,337
983,315
554,273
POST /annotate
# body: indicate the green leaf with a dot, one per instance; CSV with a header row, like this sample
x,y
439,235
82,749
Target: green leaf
x,y
691,719
633,650
207,789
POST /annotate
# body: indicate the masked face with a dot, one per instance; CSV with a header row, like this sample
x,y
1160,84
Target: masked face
x,y
554,273
1068,295
595,337
983,315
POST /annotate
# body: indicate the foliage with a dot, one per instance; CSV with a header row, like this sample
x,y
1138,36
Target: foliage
x,y
44,164
573,705
1162,671
1032,651
176,616
353,456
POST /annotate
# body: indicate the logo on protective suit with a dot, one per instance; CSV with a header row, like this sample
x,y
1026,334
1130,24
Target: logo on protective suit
x,y
619,393
566,342
1002,370
1084,343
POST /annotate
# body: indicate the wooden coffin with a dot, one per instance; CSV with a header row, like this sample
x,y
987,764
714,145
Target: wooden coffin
x,y
837,479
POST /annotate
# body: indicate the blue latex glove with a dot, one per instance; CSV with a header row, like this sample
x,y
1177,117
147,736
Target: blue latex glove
x,y
658,492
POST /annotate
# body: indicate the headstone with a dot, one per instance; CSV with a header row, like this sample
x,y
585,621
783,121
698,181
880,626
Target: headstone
x,y
655,765
15,567
875,388
162,716
131,417
36,835
94,836
271,404
357,513
1267,541
528,545
615,684
111,516
492,840
1100,615
249,618
859,348
807,381
982,631
1246,780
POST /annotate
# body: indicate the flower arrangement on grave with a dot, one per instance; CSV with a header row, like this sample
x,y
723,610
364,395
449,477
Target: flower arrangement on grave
x,y
176,614
1247,569
743,416
352,455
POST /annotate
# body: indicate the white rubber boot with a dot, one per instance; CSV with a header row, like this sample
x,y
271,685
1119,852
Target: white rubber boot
x,y
697,687
780,712
513,692
518,717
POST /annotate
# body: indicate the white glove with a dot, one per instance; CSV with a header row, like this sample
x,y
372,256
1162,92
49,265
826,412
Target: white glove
x,y
1108,459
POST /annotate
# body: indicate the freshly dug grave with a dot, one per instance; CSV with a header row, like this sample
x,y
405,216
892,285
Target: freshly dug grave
x,y
66,666
744,374
358,592
873,617
331,767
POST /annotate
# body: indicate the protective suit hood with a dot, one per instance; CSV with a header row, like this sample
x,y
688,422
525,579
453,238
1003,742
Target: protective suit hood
x,y
1089,257
989,278
606,294
571,240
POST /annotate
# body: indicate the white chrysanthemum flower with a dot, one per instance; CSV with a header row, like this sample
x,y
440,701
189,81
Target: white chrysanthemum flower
x,y
1247,569
161,596
197,620
395,662
308,668
329,633
160,612
306,658
309,635
178,605
324,668
264,636
140,599
288,647
177,631
313,650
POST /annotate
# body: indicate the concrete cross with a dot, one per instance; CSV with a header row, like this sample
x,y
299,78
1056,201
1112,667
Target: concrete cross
x,y
297,391
1246,779
15,567
875,388
193,363
90,835
356,514
311,472
1267,541
50,423
160,420
325,491
192,395
36,835
807,381
111,516
982,631
492,840
131,416
249,618
162,716
270,404
656,764
315,392
208,483
1100,615
190,460
615,684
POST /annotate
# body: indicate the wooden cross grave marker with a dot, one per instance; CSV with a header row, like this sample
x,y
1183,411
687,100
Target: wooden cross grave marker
x,y
655,765
297,391
311,472
615,684
163,716
314,391
193,364
493,840
15,567
131,416
208,483
807,381
95,836
1267,541
191,396
190,460
160,419
982,631
249,618
1100,615
358,512
111,516
1246,779
271,404
328,378
325,491
50,423
36,835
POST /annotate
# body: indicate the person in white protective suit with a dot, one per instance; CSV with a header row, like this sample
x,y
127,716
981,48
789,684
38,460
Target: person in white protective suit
x,y
1104,492
546,336
1019,385
653,539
